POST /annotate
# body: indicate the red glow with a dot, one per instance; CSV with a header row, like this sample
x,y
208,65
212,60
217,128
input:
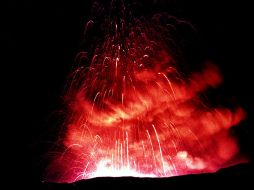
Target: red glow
x,y
133,114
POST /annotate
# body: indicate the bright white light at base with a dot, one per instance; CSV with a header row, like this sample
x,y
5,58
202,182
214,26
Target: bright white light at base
x,y
103,170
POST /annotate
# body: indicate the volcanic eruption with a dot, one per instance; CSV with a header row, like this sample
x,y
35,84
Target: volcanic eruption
x,y
132,111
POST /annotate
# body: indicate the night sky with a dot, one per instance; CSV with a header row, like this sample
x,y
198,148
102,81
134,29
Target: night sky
x,y
43,37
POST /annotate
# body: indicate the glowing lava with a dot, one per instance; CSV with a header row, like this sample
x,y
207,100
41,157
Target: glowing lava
x,y
132,113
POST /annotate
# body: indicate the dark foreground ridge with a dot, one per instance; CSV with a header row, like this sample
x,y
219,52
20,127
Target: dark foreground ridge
x,y
241,176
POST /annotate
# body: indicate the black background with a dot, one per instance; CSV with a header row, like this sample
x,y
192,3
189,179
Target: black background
x,y
43,37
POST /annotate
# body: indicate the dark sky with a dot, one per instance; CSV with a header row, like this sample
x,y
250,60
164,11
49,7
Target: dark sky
x,y
42,38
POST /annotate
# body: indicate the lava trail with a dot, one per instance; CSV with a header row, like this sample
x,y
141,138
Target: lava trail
x,y
132,112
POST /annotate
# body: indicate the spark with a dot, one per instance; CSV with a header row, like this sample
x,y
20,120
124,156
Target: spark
x,y
162,161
